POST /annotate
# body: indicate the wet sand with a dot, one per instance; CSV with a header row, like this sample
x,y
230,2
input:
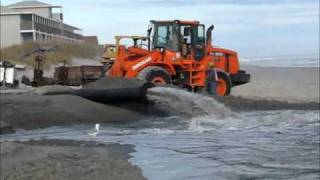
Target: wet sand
x,y
242,103
36,109
61,159
29,111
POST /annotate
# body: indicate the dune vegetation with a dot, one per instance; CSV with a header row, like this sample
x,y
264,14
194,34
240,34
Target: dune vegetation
x,y
55,52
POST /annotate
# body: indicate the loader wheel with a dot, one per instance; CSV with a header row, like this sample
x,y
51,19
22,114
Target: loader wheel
x,y
223,84
156,75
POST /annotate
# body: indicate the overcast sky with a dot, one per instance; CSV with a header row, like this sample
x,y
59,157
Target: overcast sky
x,y
254,28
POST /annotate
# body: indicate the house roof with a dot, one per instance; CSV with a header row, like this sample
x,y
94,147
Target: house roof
x,y
4,9
30,4
8,11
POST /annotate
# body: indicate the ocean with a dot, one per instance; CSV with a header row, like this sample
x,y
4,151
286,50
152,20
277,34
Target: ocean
x,y
283,61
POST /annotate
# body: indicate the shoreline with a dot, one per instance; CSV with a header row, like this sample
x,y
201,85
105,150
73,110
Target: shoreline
x,y
66,159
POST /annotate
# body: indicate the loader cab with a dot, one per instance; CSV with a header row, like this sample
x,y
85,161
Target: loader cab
x,y
186,37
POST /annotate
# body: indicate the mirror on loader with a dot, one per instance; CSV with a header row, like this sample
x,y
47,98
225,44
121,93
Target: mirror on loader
x,y
149,30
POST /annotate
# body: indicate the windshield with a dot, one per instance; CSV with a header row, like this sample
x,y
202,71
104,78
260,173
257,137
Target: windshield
x,y
165,36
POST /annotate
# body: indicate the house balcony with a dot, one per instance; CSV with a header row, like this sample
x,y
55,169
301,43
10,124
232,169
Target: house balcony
x,y
31,22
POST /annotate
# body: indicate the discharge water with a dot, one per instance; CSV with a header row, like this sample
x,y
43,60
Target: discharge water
x,y
202,139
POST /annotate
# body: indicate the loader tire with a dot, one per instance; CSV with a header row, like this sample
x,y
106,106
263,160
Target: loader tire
x,y
155,75
224,84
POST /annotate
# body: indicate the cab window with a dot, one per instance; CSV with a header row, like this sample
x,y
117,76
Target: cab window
x,y
200,39
165,37
162,36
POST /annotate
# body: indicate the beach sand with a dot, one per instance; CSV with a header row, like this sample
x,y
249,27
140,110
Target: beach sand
x,y
290,84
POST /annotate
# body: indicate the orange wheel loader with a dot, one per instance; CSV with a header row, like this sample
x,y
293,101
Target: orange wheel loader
x,y
176,52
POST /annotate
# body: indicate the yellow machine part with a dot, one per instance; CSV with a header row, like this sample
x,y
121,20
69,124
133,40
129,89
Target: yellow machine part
x,y
109,53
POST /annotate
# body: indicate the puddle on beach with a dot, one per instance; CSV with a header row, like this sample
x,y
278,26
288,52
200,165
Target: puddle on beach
x,y
200,142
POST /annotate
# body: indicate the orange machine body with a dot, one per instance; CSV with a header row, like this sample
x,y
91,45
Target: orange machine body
x,y
185,69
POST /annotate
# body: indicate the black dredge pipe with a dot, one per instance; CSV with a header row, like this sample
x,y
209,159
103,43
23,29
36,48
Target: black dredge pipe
x,y
112,91
115,95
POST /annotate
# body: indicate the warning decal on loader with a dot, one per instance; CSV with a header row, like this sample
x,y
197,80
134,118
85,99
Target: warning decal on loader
x,y
143,62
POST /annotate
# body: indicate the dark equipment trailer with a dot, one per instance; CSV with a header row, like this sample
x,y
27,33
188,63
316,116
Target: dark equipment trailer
x,y
77,75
